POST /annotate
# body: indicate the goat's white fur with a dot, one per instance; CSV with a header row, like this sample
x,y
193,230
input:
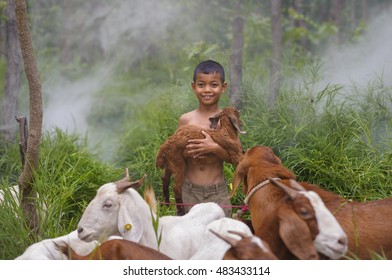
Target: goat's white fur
x,y
47,250
126,214
213,247
14,192
330,233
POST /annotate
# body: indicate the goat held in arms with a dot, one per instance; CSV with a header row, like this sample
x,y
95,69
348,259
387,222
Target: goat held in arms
x,y
172,154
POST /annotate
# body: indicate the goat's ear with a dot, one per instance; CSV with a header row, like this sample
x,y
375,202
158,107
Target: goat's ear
x,y
240,172
130,224
294,184
292,193
230,240
214,122
295,234
237,124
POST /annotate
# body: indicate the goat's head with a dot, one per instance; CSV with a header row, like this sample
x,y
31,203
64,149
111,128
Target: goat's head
x,y
311,222
246,248
232,114
256,165
103,216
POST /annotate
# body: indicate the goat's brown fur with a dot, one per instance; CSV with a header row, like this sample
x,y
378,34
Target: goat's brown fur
x,y
116,249
245,248
172,154
367,224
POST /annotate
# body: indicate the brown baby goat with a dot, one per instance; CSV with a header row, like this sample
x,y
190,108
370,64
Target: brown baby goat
x,y
172,154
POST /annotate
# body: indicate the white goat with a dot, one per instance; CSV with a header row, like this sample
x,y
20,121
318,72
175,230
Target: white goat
x,y
11,198
214,247
118,209
14,191
47,249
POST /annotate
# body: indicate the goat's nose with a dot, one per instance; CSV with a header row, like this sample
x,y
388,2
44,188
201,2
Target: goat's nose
x,y
80,229
343,241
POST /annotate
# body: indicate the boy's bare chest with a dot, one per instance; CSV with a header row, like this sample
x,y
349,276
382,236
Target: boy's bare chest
x,y
204,124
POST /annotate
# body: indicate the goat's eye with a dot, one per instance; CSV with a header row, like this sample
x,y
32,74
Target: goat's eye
x,y
304,212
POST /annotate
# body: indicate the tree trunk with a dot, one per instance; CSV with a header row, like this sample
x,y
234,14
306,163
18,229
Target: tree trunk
x,y
35,124
364,10
337,18
353,15
236,57
275,64
12,81
298,7
66,53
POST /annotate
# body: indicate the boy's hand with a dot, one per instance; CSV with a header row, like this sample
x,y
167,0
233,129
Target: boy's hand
x,y
198,148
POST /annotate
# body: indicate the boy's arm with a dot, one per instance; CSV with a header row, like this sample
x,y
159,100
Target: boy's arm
x,y
198,148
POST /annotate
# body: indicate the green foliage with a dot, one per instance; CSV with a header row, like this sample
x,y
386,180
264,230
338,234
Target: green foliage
x,y
336,139
9,160
66,180
146,127
3,5
316,32
155,225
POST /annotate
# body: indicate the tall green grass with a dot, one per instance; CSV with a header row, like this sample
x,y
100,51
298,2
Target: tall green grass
x,y
67,178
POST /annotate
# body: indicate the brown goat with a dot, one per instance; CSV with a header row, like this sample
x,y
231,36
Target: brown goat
x,y
367,224
172,154
115,249
304,226
247,248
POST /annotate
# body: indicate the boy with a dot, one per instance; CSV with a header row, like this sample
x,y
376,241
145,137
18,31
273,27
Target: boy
x,y
204,180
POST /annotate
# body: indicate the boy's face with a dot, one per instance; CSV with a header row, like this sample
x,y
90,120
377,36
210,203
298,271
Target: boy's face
x,y
208,88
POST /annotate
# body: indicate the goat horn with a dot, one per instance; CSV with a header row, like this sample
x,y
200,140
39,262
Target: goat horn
x,y
126,177
292,193
231,241
294,184
125,183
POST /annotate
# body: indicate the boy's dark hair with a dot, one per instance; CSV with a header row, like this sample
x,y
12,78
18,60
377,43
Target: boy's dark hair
x,y
209,67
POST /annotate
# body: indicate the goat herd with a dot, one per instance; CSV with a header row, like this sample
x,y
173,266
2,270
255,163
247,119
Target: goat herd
x,y
290,220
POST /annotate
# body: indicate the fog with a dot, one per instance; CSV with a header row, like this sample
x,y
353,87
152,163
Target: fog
x,y
367,60
124,31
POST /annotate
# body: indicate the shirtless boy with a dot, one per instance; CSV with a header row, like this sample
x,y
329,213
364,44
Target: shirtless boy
x,y
204,179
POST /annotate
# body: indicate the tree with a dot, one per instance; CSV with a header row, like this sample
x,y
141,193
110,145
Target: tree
x,y
364,10
276,60
236,57
35,114
337,18
300,22
12,80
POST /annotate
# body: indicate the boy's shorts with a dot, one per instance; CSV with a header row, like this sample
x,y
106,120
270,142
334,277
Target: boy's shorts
x,y
193,194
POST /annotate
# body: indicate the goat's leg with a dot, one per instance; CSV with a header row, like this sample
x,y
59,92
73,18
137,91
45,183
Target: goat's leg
x,y
165,184
178,183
